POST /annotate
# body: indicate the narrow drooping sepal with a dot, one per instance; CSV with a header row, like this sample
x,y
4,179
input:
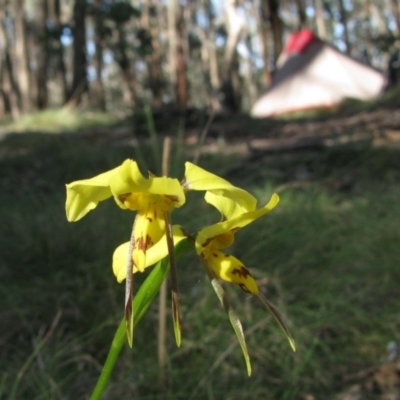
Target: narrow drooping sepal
x,y
129,317
278,317
176,313
233,318
128,312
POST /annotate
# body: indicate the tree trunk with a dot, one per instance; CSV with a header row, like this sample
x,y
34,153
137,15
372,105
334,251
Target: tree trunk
x,y
230,97
319,19
206,33
181,78
21,57
150,24
276,27
343,20
79,80
128,74
249,72
302,18
42,55
99,45
8,87
61,70
396,16
263,32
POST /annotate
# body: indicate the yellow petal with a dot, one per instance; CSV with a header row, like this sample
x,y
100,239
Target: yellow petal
x,y
230,269
197,178
153,254
120,260
84,195
227,207
131,180
205,235
160,249
149,227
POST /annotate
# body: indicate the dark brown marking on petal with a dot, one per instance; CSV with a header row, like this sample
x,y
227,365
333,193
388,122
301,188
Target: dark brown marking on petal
x,y
144,243
242,272
205,244
226,255
149,219
123,197
233,230
215,255
243,287
172,198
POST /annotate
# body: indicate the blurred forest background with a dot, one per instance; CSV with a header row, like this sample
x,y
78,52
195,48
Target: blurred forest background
x,y
85,85
117,55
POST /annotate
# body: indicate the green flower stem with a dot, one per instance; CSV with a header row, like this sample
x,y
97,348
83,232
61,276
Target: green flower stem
x,y
141,302
115,349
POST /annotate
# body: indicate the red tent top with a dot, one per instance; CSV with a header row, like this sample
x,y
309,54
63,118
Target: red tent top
x,y
299,41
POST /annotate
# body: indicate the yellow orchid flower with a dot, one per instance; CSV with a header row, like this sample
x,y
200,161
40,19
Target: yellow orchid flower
x,y
212,239
151,197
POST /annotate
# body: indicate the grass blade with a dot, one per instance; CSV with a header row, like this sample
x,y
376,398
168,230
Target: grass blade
x,y
278,317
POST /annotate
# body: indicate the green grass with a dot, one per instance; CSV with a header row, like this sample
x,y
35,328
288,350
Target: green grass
x,y
328,258
59,120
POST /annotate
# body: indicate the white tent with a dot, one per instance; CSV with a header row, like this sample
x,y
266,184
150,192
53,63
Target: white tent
x,y
312,74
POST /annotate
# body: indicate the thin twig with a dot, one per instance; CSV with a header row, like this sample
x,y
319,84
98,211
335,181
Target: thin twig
x,y
202,137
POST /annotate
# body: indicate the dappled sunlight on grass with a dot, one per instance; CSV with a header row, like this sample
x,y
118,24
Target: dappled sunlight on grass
x,y
59,120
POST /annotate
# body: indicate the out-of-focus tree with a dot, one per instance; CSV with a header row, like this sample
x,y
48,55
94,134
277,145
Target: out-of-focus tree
x,y
42,51
99,14
150,24
79,79
8,85
177,34
21,66
343,20
396,16
271,9
205,30
264,35
301,12
229,89
122,18
319,19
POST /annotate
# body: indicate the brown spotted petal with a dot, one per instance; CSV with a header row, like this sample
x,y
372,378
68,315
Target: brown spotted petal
x,y
149,228
230,269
